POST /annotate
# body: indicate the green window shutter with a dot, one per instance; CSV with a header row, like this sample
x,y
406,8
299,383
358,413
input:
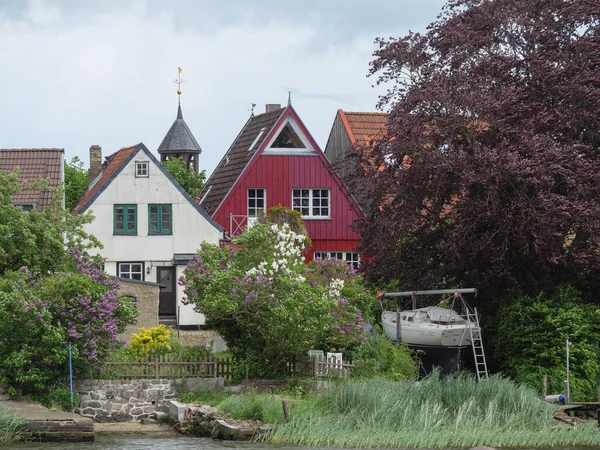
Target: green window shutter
x,y
125,219
160,219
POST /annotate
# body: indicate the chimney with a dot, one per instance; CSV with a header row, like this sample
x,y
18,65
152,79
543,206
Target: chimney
x,y
270,107
95,163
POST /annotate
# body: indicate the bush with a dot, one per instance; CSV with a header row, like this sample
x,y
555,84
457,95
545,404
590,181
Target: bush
x,y
381,357
41,316
153,341
60,398
531,339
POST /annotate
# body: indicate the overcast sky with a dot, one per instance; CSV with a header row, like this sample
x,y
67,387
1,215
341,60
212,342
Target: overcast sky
x,y
75,73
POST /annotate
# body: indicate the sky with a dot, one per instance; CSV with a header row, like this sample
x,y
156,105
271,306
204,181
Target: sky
x,y
76,73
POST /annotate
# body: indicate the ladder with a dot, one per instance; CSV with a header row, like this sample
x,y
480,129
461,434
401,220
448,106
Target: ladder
x,y
477,344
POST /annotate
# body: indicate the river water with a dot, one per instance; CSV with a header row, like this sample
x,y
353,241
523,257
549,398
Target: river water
x,y
176,443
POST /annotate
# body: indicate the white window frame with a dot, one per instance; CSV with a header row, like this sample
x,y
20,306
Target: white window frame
x,y
256,198
140,168
352,258
125,270
311,199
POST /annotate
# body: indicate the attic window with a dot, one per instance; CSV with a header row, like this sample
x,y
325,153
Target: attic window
x,y
288,138
260,133
141,169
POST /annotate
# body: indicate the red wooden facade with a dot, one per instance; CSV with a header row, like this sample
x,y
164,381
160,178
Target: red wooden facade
x,y
278,173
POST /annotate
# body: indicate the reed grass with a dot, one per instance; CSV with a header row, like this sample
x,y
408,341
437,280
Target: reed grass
x,y
432,413
11,427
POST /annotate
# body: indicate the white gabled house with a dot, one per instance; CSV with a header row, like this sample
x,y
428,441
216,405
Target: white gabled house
x,y
149,226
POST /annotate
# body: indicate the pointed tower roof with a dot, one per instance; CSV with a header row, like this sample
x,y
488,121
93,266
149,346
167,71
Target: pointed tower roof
x,y
179,138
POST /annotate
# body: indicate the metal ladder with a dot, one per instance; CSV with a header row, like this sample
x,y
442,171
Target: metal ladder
x,y
477,344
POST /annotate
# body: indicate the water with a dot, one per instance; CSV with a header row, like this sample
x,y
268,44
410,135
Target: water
x,y
176,443
124,442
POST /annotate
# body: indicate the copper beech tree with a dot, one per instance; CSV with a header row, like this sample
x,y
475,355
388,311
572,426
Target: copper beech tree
x,y
490,174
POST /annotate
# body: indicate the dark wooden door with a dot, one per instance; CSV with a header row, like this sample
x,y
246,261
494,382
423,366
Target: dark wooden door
x,y
167,304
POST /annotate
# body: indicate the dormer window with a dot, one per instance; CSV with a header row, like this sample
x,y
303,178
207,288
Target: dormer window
x,y
141,169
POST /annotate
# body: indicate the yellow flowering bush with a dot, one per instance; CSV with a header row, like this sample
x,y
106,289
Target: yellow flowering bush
x,y
150,342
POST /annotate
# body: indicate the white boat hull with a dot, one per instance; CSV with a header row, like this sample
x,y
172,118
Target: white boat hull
x,y
427,334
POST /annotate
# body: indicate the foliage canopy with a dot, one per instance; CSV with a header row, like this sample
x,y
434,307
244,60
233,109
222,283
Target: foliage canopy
x,y
489,174
185,176
76,182
268,305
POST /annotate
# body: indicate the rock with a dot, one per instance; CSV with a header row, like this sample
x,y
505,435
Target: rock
x,y
120,416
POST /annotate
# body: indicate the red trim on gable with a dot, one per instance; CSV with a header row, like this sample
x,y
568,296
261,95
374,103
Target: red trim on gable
x,y
347,126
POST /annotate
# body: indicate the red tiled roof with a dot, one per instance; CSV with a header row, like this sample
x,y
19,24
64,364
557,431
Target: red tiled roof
x,y
112,164
364,127
236,159
34,163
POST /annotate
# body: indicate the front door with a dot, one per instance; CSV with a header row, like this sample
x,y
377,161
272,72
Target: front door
x,y
165,276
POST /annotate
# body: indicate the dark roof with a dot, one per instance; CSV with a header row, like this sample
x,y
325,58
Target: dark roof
x,y
115,164
364,127
236,159
34,163
179,138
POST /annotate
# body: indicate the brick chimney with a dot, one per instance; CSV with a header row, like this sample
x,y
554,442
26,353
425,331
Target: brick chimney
x,y
95,163
270,107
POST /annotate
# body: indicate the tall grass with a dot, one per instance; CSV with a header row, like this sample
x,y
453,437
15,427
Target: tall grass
x,y
433,413
11,427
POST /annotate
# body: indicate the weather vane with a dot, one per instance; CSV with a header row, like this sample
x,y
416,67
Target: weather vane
x,y
178,81
252,108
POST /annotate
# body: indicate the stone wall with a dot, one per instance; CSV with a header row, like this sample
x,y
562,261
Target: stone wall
x,y
128,400
146,295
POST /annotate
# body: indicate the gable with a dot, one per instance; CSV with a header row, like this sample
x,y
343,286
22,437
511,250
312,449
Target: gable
x,y
290,138
250,139
124,162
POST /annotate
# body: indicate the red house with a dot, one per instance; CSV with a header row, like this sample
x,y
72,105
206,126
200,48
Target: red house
x,y
275,161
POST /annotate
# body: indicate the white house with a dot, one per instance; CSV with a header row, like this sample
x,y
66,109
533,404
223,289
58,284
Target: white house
x,y
149,226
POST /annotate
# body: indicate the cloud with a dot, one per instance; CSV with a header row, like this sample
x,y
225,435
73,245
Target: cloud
x,y
74,77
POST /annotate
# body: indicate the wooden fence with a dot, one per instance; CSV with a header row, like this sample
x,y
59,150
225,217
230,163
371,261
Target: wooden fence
x,y
169,367
210,367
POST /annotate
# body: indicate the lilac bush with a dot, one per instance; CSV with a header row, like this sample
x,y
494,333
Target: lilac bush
x,y
41,315
271,307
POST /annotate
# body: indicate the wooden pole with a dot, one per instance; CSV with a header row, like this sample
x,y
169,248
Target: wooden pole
x,y
285,410
544,386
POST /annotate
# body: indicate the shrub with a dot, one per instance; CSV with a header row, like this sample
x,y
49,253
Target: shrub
x,y
41,316
153,341
531,338
381,357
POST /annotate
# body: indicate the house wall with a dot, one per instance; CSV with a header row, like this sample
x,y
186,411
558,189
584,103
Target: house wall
x,y
279,174
338,146
146,295
190,228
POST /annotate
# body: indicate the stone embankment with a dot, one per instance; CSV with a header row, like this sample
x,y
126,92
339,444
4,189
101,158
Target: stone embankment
x,y
107,401
206,421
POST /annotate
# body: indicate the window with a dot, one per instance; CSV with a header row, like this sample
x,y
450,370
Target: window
x,y
125,219
288,138
256,202
260,133
131,270
352,258
160,219
141,169
311,202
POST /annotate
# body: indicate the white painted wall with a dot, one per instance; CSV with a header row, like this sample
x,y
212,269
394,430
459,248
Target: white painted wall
x,y
189,227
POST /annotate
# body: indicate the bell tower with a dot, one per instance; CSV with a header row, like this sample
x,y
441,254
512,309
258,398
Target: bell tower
x,y
179,140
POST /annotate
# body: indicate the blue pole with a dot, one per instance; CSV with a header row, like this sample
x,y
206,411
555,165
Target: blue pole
x,y
71,375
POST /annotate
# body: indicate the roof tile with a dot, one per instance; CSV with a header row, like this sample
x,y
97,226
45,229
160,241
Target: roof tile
x,y
113,162
236,159
365,127
34,163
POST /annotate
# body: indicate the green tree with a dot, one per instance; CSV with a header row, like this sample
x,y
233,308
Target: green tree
x,y
531,339
38,239
76,181
268,305
185,176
